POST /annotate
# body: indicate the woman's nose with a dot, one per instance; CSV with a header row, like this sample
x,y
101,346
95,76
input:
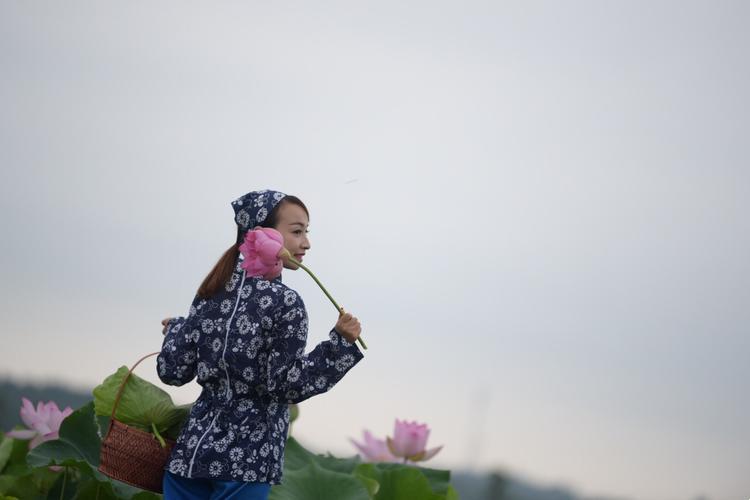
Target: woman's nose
x,y
306,243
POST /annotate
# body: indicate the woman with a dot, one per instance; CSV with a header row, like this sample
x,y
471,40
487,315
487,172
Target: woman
x,y
244,339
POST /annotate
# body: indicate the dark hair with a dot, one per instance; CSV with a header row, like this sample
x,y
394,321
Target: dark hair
x,y
224,268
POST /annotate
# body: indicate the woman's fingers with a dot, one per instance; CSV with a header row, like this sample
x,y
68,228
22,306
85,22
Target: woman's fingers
x,y
348,325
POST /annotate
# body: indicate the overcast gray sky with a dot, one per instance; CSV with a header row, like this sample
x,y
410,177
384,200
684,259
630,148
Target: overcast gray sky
x,y
538,210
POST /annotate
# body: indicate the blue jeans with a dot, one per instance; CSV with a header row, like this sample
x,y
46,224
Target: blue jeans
x,y
181,488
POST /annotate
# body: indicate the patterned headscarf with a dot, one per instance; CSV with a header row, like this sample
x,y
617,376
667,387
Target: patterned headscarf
x,y
253,208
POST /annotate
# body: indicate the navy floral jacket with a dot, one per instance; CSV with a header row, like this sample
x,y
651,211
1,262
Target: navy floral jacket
x,y
246,346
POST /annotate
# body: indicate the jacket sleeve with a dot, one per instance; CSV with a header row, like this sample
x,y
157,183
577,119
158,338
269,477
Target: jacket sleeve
x,y
294,376
178,357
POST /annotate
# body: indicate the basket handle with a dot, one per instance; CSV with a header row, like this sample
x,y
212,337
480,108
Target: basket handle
x,y
122,386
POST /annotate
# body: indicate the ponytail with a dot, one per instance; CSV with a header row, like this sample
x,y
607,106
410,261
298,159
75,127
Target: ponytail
x,y
222,271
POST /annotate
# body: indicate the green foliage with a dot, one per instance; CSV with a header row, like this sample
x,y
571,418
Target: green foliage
x,y
30,485
311,476
6,446
142,404
313,482
16,464
297,457
78,442
66,468
401,482
74,458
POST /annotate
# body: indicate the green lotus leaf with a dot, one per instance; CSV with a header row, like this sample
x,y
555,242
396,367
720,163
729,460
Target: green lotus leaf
x,y
146,495
78,441
312,482
16,464
6,446
141,405
371,484
78,448
438,479
451,494
297,456
399,482
93,489
30,486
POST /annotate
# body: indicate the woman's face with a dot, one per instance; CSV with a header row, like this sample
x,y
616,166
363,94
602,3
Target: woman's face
x,y
292,223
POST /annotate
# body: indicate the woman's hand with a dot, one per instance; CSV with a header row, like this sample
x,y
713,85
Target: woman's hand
x,y
348,326
164,322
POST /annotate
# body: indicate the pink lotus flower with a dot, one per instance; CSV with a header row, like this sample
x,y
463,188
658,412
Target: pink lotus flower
x,y
43,422
262,249
410,442
374,449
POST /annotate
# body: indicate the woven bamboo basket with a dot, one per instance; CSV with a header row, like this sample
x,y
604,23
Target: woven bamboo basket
x,y
132,455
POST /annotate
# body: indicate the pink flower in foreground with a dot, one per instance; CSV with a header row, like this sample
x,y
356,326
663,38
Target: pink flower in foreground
x,y
43,422
374,449
410,441
262,249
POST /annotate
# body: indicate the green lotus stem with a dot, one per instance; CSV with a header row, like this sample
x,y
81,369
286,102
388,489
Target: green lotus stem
x,y
338,307
158,436
65,480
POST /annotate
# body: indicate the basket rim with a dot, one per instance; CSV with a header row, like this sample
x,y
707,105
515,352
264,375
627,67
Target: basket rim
x,y
130,428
